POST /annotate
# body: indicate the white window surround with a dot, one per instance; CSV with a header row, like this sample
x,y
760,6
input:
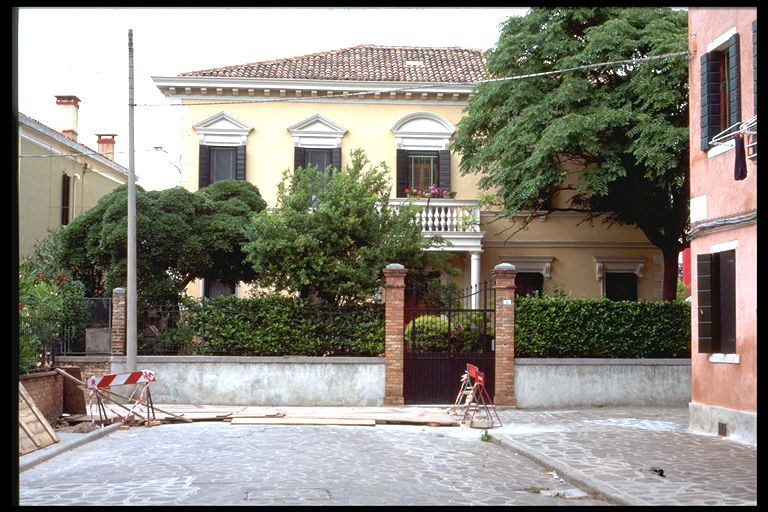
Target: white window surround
x,y
606,264
698,208
724,358
719,44
317,131
538,264
222,130
423,131
725,246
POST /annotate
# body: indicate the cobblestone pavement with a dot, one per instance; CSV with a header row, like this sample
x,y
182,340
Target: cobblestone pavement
x,y
223,464
614,451
585,456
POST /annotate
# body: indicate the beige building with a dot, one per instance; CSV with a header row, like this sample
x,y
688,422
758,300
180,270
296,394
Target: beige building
x,y
58,177
723,209
401,105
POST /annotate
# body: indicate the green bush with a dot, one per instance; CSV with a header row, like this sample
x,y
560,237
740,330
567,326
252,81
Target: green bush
x,y
563,327
275,326
427,333
464,333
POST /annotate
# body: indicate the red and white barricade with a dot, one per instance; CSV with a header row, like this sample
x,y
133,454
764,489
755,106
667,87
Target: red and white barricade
x,y
473,398
139,403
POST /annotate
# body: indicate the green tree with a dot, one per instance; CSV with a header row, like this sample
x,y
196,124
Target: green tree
x,y
181,236
332,233
623,127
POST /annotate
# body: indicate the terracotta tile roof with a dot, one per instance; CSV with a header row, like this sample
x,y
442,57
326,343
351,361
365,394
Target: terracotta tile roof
x,y
366,63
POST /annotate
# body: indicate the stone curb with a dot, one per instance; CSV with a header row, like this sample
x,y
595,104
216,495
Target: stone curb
x,y
602,490
35,458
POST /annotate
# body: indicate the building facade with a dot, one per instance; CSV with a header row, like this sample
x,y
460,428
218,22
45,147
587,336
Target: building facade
x,y
401,105
58,177
723,215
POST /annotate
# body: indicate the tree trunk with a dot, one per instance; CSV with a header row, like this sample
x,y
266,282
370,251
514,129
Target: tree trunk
x,y
669,286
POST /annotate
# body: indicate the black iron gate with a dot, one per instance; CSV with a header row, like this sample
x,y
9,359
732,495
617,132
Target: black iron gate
x,y
446,328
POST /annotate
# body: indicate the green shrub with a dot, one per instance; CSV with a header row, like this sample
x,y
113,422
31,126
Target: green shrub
x,y
276,326
563,327
427,333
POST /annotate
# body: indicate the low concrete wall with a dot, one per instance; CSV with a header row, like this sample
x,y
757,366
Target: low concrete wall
x,y
270,381
551,383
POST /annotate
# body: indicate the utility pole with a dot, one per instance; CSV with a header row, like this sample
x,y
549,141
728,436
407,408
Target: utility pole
x,y
130,342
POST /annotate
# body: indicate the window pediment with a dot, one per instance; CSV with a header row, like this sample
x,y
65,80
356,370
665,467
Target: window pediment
x,y
222,130
423,130
540,264
317,131
605,264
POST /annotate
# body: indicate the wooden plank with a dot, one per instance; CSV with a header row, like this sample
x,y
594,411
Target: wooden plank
x,y
74,397
34,430
303,421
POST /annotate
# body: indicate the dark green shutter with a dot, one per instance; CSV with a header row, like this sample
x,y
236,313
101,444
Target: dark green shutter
x,y
204,169
298,157
401,180
754,62
240,163
444,167
734,80
65,186
336,158
710,98
707,314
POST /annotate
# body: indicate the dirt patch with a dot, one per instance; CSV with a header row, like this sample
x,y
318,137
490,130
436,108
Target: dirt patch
x,y
81,428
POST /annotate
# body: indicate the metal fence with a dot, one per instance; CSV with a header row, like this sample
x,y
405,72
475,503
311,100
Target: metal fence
x,y
83,327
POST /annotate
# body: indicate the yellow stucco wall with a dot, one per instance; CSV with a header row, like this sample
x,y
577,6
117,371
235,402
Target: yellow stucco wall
x,y
270,150
40,174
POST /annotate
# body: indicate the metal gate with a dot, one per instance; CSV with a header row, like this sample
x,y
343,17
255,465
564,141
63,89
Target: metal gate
x,y
446,328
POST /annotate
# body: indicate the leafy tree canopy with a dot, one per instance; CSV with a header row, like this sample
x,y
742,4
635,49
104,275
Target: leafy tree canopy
x,y
181,236
621,128
332,233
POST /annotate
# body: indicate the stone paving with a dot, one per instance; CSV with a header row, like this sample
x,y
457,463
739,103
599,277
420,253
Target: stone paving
x,y
588,456
618,452
223,464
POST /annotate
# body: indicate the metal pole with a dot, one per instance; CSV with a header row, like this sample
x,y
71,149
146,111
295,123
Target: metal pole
x,y
130,348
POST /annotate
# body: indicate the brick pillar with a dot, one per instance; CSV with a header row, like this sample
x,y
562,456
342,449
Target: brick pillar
x,y
118,321
394,289
504,276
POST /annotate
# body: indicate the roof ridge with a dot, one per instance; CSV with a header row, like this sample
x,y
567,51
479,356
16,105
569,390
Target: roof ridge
x,y
85,153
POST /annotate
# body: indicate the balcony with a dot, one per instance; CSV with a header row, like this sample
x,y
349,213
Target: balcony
x,y
455,220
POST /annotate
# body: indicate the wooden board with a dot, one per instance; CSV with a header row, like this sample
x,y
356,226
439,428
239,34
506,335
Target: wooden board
x,y
74,396
303,421
34,430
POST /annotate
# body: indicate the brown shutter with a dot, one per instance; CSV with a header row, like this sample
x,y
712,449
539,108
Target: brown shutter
x,y
710,98
401,180
734,80
707,304
240,163
444,167
298,157
204,170
336,158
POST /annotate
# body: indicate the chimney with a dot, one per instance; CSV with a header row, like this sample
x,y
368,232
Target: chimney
x,y
68,107
107,144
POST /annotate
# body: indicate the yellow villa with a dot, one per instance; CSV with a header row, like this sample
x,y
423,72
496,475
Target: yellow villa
x,y
401,105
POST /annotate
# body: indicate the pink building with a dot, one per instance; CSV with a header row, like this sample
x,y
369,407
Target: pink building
x,y
723,210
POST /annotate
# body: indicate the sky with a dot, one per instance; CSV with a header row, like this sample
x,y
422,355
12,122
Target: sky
x,y
84,52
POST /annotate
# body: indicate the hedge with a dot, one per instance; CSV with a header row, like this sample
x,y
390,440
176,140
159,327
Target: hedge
x,y
564,327
271,326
